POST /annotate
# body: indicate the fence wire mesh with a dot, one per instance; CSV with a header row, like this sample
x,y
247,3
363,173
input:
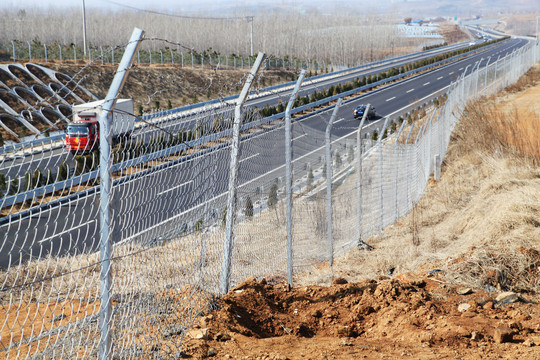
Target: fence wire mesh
x,y
169,205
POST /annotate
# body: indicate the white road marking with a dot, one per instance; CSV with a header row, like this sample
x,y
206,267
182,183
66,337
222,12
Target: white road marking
x,y
68,230
392,98
439,78
460,68
176,187
451,73
249,157
298,137
408,91
427,83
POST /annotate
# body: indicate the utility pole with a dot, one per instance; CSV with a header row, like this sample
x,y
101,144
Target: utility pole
x,y
84,27
250,19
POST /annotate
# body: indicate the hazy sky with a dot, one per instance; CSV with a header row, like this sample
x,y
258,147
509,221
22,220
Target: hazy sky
x,y
161,4
218,5
90,3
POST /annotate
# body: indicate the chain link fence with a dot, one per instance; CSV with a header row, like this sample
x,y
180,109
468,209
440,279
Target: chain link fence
x,y
180,233
172,54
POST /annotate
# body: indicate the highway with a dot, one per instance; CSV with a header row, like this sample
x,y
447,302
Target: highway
x,y
167,201
52,159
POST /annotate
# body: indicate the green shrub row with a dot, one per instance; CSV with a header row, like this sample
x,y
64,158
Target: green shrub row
x,y
370,79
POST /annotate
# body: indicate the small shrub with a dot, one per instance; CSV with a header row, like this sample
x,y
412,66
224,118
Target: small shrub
x,y
3,184
63,172
272,195
310,178
248,207
339,162
14,187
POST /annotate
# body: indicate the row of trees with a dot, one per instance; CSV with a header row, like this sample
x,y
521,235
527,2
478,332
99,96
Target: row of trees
x,y
336,38
73,53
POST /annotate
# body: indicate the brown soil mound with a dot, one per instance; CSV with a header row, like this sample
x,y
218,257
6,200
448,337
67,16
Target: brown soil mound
x,y
415,317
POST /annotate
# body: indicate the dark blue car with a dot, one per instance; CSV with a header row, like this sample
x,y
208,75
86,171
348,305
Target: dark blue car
x,y
359,111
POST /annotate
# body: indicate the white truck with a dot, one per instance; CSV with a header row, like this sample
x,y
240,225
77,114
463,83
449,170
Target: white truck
x,y
82,135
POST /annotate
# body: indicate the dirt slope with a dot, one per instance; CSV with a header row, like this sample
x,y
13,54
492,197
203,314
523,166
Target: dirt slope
x,y
180,86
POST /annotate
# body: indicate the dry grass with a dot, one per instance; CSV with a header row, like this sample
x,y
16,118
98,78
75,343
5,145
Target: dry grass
x,y
503,131
510,127
481,222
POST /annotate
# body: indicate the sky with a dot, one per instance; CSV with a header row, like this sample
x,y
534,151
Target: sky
x,y
144,4
217,5
90,3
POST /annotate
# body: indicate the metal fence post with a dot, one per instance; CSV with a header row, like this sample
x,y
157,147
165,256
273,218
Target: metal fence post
x,y
463,76
102,60
13,44
46,60
60,47
427,158
396,164
407,166
506,70
288,175
477,73
495,77
105,312
75,54
233,178
29,51
437,167
172,58
329,182
486,76
381,205
359,175
161,53
192,60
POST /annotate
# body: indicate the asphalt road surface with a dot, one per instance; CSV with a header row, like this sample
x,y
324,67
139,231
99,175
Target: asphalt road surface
x,y
171,200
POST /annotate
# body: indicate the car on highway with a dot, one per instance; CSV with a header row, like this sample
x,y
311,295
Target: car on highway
x,y
359,111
